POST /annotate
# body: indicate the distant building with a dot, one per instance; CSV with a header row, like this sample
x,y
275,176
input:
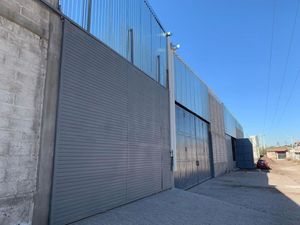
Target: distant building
x,y
295,151
256,146
297,144
278,152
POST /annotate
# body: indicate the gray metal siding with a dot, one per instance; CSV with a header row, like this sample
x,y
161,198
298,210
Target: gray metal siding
x,y
232,126
190,90
229,148
111,142
220,156
144,137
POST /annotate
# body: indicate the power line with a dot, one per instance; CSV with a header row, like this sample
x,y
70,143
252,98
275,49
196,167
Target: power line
x,y
270,62
286,64
290,96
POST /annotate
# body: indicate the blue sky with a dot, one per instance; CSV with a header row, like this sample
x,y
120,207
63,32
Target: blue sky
x,y
227,42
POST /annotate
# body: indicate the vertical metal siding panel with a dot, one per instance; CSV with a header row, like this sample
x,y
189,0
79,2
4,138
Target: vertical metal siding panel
x,y
111,21
137,32
110,142
185,86
229,152
220,155
191,92
158,44
77,10
177,81
148,61
154,49
232,126
163,55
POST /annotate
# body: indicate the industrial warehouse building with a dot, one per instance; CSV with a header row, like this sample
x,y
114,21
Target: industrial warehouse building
x,y
100,111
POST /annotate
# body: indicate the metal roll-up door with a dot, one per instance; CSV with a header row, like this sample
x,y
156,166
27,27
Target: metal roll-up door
x,y
112,135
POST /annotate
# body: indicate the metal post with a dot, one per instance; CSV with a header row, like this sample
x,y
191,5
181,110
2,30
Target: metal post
x,y
171,86
158,68
88,28
131,46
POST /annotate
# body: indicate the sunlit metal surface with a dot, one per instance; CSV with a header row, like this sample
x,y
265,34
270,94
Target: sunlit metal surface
x,y
77,10
232,126
190,91
112,21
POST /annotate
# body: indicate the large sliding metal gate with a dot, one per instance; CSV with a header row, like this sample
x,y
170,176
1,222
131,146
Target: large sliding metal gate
x,y
112,140
192,149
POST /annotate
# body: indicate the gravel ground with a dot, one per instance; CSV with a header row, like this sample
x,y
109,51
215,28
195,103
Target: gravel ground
x,y
238,198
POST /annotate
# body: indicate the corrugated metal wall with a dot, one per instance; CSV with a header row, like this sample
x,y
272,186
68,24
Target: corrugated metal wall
x,y
239,131
112,141
232,126
112,21
229,149
131,28
76,10
220,153
190,91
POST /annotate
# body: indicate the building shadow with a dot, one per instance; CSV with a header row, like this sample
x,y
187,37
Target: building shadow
x,y
273,196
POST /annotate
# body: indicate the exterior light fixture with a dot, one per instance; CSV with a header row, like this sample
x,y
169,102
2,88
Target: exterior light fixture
x,y
168,34
175,47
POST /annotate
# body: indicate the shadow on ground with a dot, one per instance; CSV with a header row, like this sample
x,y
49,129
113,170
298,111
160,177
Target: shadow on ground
x,y
238,198
274,194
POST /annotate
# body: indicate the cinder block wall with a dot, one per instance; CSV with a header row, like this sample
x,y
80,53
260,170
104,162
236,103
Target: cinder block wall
x,y
24,36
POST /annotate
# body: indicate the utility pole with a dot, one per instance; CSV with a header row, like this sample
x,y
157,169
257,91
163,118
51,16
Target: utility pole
x,y
264,141
262,144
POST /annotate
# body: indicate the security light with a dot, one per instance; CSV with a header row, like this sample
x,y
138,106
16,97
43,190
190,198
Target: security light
x,y
168,34
175,47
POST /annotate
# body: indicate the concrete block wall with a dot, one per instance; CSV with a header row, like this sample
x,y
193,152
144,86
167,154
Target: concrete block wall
x,y
24,32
